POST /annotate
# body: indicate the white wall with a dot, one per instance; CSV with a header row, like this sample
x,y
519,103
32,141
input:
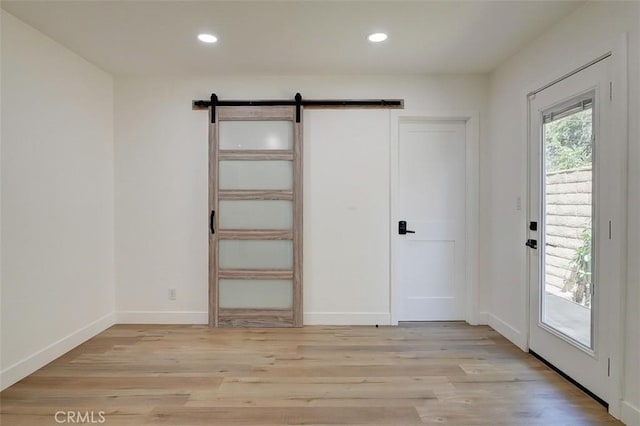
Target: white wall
x,y
590,28
57,200
161,190
346,208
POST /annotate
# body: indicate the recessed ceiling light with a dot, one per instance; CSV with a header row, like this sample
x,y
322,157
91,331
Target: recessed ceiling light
x,y
377,37
207,38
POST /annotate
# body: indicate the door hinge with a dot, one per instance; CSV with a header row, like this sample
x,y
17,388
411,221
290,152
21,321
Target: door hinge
x,y
611,90
608,367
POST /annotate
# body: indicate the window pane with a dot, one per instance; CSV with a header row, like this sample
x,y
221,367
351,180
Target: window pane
x,y
256,175
255,254
568,185
256,135
256,214
256,294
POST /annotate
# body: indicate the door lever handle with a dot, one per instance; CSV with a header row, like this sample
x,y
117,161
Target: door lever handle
x,y
402,228
532,244
212,221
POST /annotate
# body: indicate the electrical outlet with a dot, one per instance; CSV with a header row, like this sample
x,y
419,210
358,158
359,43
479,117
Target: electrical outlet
x,y
172,294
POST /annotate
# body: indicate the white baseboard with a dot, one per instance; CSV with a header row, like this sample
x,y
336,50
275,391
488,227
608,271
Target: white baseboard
x,y
162,317
483,318
44,356
515,336
198,317
347,318
630,414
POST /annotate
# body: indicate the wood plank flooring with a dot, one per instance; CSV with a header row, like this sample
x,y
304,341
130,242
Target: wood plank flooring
x,y
433,373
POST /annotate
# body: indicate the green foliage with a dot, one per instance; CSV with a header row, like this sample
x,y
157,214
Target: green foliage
x,y
568,143
581,267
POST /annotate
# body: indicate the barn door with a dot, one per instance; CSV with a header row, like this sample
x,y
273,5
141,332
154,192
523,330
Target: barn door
x,y
255,200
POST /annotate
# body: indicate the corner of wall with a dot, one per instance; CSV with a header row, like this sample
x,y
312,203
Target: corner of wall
x,y
33,362
630,414
515,336
482,318
78,96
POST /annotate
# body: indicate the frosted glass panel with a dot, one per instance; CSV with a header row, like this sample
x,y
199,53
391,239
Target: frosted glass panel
x,y
256,135
255,254
260,294
256,175
256,214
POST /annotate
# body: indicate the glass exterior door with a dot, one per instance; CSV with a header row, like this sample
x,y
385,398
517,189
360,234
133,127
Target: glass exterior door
x,y
256,217
569,235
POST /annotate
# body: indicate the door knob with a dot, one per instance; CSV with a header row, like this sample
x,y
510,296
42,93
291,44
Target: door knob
x,y
402,228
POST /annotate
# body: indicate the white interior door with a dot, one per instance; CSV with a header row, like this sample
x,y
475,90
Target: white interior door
x,y
430,261
571,212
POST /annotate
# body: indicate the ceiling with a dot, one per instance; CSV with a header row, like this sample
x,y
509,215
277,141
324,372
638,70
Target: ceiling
x,y
291,37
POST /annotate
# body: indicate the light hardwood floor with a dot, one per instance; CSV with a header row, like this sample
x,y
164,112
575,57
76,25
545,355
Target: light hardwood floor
x,y
434,373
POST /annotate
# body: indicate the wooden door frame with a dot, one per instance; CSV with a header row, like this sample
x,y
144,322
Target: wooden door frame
x,y
471,121
258,113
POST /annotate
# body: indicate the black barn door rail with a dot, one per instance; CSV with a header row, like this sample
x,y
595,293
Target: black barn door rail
x,y
298,101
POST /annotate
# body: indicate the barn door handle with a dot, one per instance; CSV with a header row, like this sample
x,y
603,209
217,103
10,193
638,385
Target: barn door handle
x,y
211,221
